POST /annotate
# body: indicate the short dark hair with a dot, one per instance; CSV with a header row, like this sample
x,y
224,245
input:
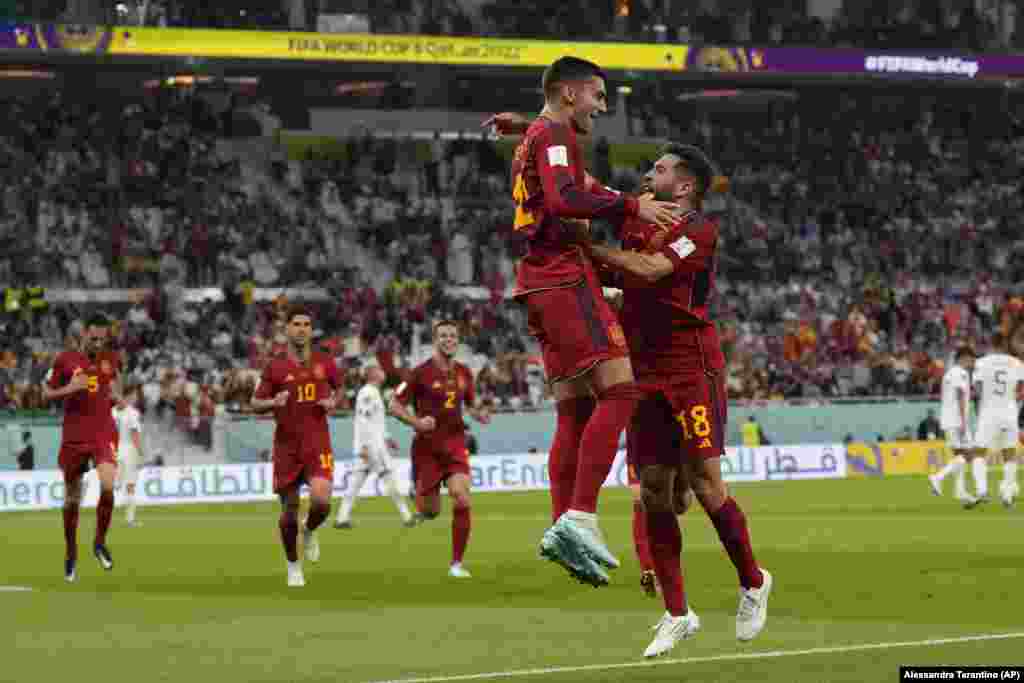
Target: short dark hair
x,y
97,320
700,165
569,69
296,310
446,322
965,351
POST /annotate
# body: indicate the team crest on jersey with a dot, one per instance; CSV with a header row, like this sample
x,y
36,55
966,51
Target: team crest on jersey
x,y
615,332
318,372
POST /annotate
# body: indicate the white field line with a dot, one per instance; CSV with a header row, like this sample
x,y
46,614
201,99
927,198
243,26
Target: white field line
x,y
771,654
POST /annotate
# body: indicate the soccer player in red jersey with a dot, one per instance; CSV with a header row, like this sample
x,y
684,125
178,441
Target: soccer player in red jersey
x,y
301,388
584,351
678,428
439,390
87,380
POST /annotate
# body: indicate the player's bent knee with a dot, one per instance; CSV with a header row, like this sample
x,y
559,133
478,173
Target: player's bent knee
x,y
656,492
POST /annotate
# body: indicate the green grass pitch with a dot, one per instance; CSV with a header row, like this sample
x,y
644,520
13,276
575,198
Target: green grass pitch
x,y
198,594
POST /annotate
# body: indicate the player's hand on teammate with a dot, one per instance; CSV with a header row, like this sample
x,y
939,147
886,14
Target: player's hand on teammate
x,y
329,404
281,400
426,424
79,382
507,123
658,213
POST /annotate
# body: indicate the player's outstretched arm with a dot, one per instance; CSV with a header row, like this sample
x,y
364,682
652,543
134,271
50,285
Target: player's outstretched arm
x,y
647,267
507,123
424,424
79,382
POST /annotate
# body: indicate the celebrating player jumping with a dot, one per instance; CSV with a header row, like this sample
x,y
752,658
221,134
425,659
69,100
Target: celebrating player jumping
x,y
584,351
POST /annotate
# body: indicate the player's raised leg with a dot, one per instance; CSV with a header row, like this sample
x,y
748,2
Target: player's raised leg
x,y
462,522
72,505
573,412
319,509
107,473
731,525
288,523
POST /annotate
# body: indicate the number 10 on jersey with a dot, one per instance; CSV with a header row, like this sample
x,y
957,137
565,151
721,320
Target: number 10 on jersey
x,y
306,392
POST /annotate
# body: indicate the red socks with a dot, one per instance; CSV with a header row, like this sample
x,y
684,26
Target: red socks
x,y
731,525
666,549
461,524
573,414
104,511
289,524
70,532
600,443
640,539
317,515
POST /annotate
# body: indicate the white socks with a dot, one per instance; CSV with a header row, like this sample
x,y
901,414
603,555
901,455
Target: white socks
x,y
392,490
129,502
980,470
956,465
345,511
1009,475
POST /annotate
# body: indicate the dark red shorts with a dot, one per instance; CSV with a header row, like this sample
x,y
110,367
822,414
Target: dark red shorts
x,y
678,421
436,460
296,466
74,458
576,328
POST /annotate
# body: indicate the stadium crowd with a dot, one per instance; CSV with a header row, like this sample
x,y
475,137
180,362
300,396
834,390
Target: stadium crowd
x,y
848,274
863,24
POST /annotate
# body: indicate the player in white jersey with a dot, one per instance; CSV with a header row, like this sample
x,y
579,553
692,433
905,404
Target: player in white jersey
x,y
371,448
956,397
129,449
998,380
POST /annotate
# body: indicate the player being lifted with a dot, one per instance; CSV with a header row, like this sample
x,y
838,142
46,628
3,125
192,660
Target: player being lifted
x,y
677,435
129,451
998,380
370,444
87,380
439,390
584,352
301,389
956,397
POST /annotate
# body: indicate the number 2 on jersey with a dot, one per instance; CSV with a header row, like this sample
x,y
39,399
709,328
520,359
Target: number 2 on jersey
x,y
450,403
520,196
327,460
306,392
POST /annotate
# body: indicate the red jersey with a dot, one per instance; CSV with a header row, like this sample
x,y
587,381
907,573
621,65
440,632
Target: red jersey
x,y
87,413
306,385
547,187
667,323
440,395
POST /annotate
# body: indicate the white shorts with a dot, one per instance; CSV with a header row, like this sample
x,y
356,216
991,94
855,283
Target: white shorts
x,y
379,461
998,432
955,443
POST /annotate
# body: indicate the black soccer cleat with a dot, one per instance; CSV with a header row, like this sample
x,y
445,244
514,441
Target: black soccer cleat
x,y
103,555
70,572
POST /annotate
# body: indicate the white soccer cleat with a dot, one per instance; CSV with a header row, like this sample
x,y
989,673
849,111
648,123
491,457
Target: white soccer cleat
x,y
311,545
1008,492
670,630
295,576
935,484
459,572
753,610
581,529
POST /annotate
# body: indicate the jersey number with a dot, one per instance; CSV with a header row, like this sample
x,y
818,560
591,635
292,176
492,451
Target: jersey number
x,y
450,403
523,218
698,422
307,393
94,384
327,460
1000,389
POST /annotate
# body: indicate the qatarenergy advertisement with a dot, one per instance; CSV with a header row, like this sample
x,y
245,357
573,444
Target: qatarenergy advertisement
x,y
44,490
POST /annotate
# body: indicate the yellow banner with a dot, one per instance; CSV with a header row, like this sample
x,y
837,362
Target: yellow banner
x,y
358,47
894,457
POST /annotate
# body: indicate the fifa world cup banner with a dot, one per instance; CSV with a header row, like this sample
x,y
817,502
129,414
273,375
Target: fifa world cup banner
x,y
44,489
